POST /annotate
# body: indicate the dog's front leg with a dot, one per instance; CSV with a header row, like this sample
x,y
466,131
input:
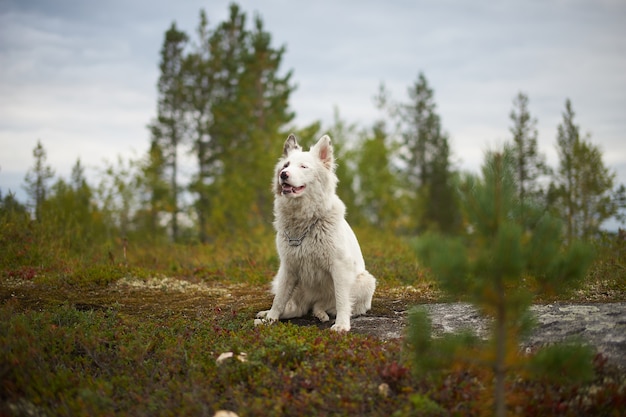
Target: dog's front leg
x,y
285,284
341,279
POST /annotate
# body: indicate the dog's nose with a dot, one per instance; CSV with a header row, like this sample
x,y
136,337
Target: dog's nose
x,y
284,175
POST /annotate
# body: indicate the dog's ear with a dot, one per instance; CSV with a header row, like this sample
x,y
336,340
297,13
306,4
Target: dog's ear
x,y
291,144
324,150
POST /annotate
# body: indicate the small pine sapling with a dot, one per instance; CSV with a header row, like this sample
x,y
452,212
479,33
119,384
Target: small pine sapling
x,y
499,266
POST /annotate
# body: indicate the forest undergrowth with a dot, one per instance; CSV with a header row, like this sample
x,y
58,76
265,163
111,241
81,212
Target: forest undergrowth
x,y
132,329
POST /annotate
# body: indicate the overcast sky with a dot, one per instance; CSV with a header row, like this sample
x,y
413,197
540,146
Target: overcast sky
x,y
81,75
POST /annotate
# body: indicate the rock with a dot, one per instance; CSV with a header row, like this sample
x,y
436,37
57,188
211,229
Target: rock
x,y
384,390
225,413
603,326
242,357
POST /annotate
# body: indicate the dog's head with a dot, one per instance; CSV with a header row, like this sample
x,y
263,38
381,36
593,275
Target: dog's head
x,y
301,172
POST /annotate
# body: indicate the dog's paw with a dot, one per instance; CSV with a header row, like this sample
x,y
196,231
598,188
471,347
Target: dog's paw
x,y
340,327
321,315
262,322
265,317
262,314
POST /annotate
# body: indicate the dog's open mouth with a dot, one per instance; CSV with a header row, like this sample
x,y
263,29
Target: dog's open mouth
x,y
290,189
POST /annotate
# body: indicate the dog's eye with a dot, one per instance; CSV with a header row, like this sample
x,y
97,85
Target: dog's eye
x,y
286,165
303,166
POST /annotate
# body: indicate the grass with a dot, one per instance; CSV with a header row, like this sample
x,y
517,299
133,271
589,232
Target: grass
x,y
106,334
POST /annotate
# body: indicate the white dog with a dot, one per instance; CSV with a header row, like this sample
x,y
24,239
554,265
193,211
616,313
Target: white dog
x,y
321,265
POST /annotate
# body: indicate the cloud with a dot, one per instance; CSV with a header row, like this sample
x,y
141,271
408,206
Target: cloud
x,y
81,76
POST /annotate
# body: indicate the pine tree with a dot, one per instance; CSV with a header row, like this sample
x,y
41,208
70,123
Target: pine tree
x,y
119,195
582,191
11,208
442,209
494,268
199,95
70,216
425,154
169,128
153,192
267,93
249,109
345,136
227,47
37,178
568,138
83,207
378,185
529,164
79,184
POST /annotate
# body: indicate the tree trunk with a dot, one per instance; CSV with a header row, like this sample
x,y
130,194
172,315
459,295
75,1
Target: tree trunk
x,y
500,366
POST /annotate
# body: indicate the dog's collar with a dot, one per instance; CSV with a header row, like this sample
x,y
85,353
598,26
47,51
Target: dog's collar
x,y
298,241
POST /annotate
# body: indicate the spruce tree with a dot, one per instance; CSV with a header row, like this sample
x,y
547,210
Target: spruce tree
x,y
425,153
498,267
529,164
37,178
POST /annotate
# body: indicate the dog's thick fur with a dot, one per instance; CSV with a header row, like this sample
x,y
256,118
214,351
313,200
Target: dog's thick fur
x,y
321,266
